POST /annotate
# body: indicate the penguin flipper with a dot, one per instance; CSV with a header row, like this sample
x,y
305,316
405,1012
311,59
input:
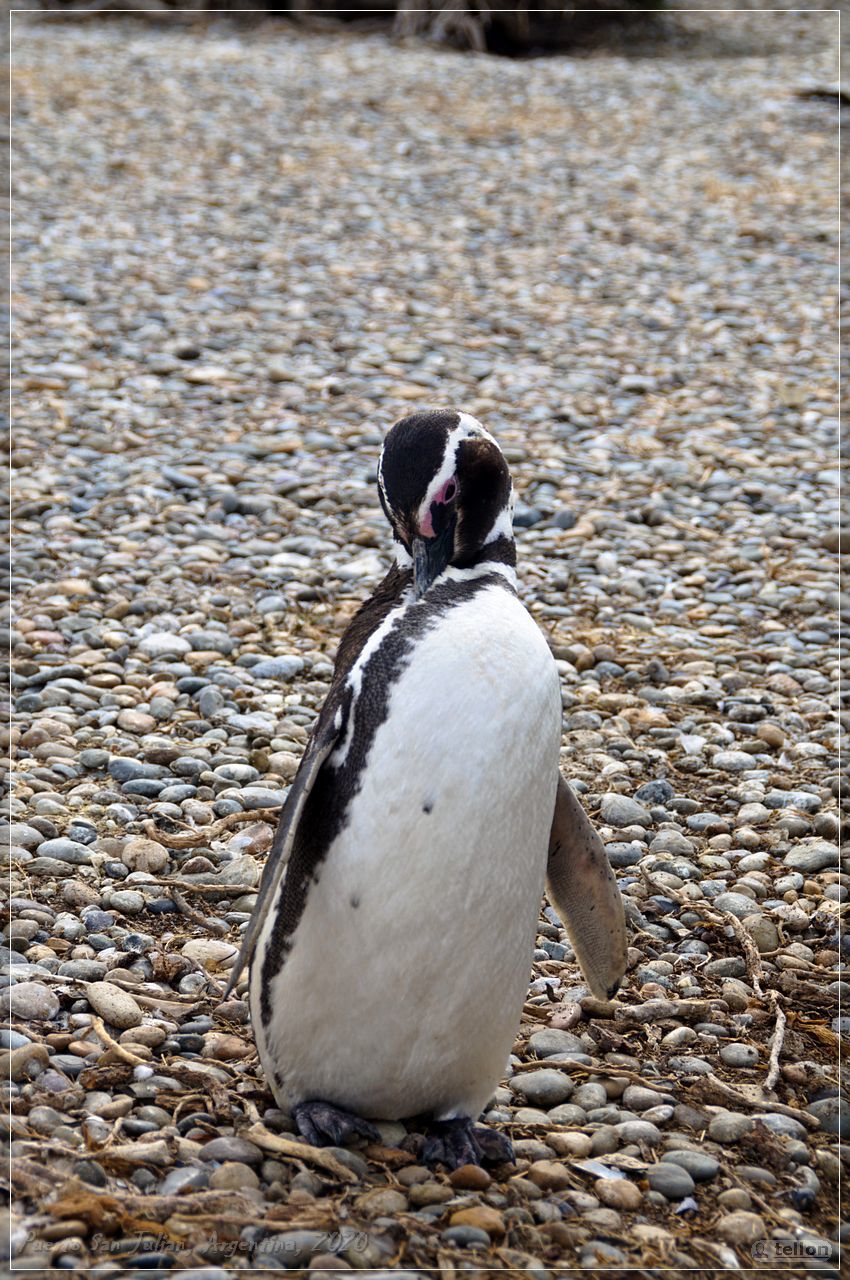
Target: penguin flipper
x,y
583,889
325,736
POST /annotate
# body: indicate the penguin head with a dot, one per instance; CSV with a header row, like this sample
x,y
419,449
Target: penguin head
x,y
446,490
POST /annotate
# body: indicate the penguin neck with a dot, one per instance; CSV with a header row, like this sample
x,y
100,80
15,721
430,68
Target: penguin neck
x,y
500,550
496,557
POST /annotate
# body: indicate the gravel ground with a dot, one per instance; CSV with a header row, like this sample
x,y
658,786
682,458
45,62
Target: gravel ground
x,y
239,256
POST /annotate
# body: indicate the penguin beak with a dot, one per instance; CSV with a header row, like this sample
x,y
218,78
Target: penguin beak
x,y
430,558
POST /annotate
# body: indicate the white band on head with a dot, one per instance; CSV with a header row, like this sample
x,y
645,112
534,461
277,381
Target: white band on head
x,y
466,428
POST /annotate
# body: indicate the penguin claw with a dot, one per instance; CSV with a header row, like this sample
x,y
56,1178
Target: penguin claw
x,y
324,1125
458,1142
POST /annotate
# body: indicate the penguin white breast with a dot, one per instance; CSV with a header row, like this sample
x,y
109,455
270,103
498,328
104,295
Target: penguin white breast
x,y
404,984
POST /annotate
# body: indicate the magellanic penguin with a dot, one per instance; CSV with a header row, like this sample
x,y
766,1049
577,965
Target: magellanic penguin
x,y
392,939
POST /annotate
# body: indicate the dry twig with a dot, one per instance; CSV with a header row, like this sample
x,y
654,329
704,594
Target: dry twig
x,y
742,1099
118,1049
203,835
289,1148
776,1041
185,909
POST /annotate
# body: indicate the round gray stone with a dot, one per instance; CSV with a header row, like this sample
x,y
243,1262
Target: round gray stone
x,y
545,1088
701,1166
28,1001
622,811
672,1180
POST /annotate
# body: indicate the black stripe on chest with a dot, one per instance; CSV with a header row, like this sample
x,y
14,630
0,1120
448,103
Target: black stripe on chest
x,y
326,809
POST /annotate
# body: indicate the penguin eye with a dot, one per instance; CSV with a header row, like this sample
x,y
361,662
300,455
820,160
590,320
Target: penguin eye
x,y
450,491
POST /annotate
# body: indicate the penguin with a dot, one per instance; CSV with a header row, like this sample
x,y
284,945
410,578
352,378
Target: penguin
x,y
391,943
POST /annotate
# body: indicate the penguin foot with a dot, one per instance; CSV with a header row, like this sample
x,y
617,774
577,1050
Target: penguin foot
x,y
457,1142
324,1125
495,1147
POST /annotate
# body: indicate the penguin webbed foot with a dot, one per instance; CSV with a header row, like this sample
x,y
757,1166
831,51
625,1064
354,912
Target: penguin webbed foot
x,y
324,1125
496,1148
457,1142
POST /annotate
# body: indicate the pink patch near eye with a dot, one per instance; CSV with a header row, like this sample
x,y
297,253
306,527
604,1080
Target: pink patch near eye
x,y
441,498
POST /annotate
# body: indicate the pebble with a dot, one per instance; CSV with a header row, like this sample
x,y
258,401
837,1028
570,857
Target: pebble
x,y
620,811
25,1062
728,1127
289,1248
655,792
547,1043
833,1114
644,1132
234,1177
66,851
162,644
741,1228
764,933
232,1148
737,904
701,1166
465,1237
672,1180
209,952
382,1202
544,1088
618,1193
27,837
114,1005
482,1218
732,761
589,1095
638,1098
29,1001
283,668
470,1177
144,855
126,901
808,856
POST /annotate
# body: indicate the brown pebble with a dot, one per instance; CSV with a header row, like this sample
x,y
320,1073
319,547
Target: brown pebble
x,y
140,1050
482,1217
119,1106
382,1202
470,1177
734,1198
62,1230
741,1228
550,1175
140,854
429,1193
568,1235
770,734
233,1176
618,1193
149,1034
24,1063
225,1048
575,1145
566,1016
197,866
413,1174
77,895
